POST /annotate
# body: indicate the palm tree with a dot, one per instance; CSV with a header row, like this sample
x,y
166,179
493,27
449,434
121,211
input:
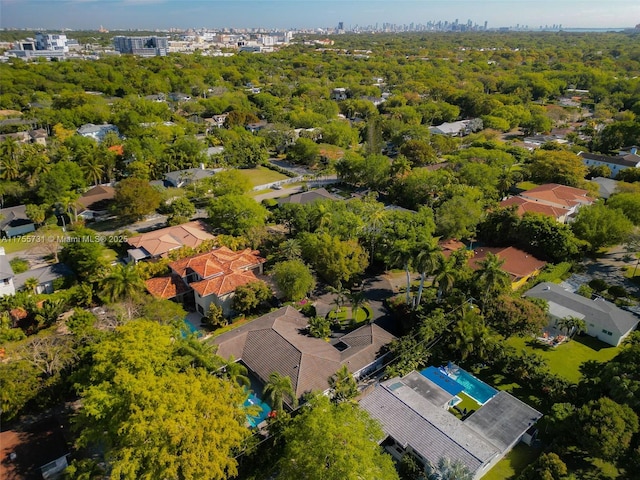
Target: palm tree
x,y
572,325
9,166
472,336
445,277
291,249
427,261
343,385
357,300
340,293
401,255
491,277
123,283
92,167
319,327
275,390
447,469
235,372
32,283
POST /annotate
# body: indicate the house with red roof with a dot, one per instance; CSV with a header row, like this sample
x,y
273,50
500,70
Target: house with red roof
x,y
552,199
520,265
207,278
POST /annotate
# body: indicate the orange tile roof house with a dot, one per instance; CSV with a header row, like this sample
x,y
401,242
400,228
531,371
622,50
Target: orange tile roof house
x,y
209,277
518,264
559,201
159,243
276,342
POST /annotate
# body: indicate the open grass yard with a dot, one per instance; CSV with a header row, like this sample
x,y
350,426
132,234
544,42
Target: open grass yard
x,y
18,244
511,465
331,152
261,175
467,405
565,359
345,316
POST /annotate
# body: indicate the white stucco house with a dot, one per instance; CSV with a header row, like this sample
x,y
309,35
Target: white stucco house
x,y
603,319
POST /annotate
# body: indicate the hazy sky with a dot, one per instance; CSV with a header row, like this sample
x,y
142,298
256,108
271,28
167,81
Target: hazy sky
x,y
152,14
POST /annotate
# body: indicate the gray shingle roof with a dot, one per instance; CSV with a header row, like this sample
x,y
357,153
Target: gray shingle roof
x,y
308,197
5,268
629,160
600,312
14,216
413,421
412,410
42,274
276,342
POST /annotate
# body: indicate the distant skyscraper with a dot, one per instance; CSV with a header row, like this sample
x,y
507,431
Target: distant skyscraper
x,y
340,25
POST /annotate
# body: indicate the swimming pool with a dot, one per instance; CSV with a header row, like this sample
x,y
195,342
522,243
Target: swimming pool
x,y
477,389
189,329
255,420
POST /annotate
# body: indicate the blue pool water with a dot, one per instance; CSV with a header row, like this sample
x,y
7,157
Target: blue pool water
x,y
255,420
187,328
473,387
441,379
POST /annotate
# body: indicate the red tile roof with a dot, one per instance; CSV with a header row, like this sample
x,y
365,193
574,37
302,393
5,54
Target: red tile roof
x,y
222,270
166,287
223,284
517,263
558,195
217,261
525,206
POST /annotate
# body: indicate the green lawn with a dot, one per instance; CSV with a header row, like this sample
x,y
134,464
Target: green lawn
x,y
467,403
18,244
527,185
511,465
565,359
344,315
261,175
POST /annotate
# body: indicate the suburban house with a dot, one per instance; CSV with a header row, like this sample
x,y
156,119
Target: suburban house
x,y
520,265
256,126
44,275
603,319
97,132
523,206
95,202
14,222
310,196
207,278
6,275
563,201
339,94
606,186
616,163
159,243
457,129
181,178
420,415
277,342
536,141
217,121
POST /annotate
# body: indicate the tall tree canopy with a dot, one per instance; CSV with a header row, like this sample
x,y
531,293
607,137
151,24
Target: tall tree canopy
x,y
154,417
334,442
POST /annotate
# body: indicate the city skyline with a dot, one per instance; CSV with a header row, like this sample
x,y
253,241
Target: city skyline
x,y
271,14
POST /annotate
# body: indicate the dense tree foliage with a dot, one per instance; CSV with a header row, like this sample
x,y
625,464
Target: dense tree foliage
x,y
318,446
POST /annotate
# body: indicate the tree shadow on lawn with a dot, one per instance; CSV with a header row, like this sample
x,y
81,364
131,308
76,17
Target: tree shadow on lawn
x,y
591,342
500,381
536,345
